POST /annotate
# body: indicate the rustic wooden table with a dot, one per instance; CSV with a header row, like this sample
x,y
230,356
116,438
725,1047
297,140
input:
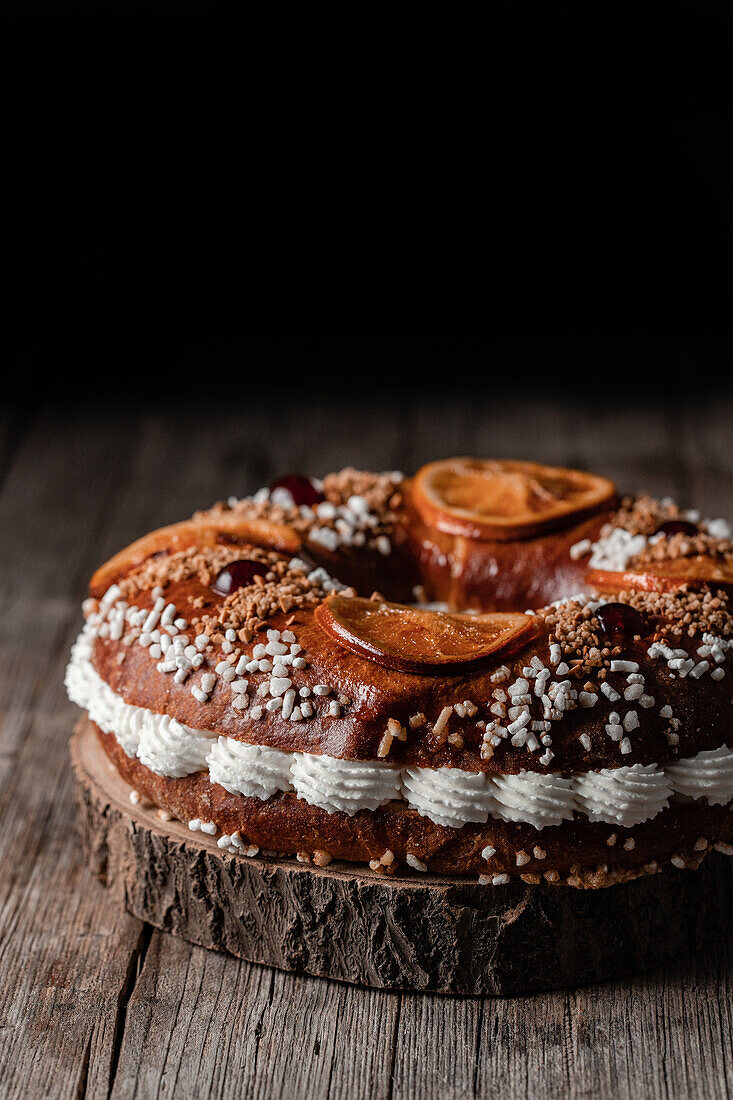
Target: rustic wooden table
x,y
92,1002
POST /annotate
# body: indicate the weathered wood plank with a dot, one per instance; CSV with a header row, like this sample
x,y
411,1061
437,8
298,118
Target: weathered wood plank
x,y
201,1024
211,1025
65,952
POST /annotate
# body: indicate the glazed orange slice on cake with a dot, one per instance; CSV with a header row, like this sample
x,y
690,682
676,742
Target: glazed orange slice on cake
x,y
412,639
193,532
503,499
665,576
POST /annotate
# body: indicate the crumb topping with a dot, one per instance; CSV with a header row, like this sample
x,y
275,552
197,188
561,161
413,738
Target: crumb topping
x,y
683,612
201,564
634,536
644,514
288,586
577,630
359,509
674,547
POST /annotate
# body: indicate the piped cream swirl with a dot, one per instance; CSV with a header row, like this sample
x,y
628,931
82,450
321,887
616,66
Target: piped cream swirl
x,y
448,796
345,785
252,770
540,800
708,774
624,796
168,747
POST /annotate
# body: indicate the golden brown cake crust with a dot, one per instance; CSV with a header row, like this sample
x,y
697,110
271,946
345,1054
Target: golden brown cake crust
x,y
376,694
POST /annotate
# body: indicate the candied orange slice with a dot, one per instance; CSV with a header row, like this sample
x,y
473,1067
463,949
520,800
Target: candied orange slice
x,y
664,576
412,639
195,532
503,499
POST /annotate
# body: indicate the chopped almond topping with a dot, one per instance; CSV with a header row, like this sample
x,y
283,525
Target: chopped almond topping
x,y
440,729
385,744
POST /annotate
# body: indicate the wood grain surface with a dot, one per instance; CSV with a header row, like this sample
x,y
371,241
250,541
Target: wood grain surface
x,y
95,1003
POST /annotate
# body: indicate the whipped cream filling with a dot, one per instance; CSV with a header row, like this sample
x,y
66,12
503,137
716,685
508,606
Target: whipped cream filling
x,y
252,770
625,796
345,785
168,747
708,774
447,796
537,799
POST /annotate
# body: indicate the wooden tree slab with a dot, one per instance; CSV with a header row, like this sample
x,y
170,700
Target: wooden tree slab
x,y
425,932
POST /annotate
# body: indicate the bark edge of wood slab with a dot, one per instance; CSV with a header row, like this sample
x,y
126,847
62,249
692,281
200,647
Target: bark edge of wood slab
x,y
429,933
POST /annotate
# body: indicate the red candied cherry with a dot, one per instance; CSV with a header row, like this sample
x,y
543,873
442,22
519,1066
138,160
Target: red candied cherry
x,y
238,574
618,619
678,527
301,489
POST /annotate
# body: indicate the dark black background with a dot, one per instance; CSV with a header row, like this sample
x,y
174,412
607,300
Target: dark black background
x,y
208,198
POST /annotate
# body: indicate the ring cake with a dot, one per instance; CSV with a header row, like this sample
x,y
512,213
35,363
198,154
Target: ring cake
x,y
494,669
